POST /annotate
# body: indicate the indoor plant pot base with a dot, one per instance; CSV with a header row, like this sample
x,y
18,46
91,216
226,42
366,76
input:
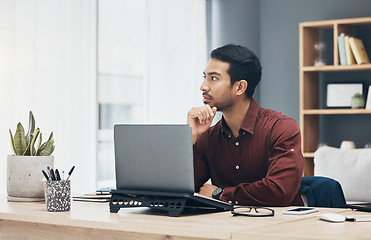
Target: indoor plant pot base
x,y
24,177
20,199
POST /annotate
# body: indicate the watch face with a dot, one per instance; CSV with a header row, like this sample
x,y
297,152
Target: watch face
x,y
217,192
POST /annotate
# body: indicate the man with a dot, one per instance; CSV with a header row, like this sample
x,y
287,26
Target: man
x,y
252,155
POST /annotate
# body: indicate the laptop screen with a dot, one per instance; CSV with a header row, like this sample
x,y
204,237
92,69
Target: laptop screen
x,y
154,157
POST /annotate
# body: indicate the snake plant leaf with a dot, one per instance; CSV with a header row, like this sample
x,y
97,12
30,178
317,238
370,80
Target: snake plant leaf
x,y
25,145
12,143
50,136
47,148
27,150
41,148
31,127
32,142
19,139
39,144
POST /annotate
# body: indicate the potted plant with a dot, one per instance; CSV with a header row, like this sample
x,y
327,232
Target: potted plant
x,y
357,101
24,176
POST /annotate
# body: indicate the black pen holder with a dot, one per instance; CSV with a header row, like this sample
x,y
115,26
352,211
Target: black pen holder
x,y
58,196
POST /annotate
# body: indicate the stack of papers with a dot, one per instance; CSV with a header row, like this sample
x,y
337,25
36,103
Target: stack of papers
x,y
92,197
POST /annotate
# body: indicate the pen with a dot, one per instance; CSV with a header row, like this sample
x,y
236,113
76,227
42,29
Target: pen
x,y
52,176
57,176
70,172
45,175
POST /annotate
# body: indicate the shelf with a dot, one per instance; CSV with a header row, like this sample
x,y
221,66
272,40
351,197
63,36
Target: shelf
x,y
336,68
335,111
311,33
331,23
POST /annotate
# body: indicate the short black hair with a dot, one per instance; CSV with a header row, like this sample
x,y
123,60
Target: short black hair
x,y
244,65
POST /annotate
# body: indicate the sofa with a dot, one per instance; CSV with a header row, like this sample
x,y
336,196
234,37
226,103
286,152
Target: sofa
x,y
351,168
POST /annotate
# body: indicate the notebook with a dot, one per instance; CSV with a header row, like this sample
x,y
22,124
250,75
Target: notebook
x,y
157,159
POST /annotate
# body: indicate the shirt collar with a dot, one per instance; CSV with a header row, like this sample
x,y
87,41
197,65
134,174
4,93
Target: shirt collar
x,y
248,123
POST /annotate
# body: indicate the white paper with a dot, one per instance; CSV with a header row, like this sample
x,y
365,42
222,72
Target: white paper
x,y
359,218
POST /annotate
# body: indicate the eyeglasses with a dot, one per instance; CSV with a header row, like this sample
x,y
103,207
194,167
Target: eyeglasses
x,y
253,211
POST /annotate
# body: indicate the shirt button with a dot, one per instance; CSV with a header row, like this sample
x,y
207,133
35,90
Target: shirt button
x,y
229,136
237,143
237,167
243,133
236,202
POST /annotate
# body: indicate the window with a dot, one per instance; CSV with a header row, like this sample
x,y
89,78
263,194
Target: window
x,y
121,75
151,55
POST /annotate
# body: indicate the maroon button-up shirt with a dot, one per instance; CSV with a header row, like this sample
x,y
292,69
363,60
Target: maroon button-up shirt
x,y
262,166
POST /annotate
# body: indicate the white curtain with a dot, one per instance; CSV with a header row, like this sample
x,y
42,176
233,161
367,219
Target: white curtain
x,y
48,65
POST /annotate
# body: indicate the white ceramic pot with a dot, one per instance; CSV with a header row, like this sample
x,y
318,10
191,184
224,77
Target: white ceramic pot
x,y
24,177
357,102
347,145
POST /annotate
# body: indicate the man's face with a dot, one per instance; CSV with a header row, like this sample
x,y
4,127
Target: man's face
x,y
216,87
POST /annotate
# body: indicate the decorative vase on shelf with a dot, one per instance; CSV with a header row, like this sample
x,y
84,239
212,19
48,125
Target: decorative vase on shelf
x,y
320,47
357,101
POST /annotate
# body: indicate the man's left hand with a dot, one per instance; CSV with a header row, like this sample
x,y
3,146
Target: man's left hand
x,y
207,190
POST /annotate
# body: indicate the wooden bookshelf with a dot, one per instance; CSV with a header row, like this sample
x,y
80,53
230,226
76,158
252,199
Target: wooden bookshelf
x,y
310,77
335,111
339,68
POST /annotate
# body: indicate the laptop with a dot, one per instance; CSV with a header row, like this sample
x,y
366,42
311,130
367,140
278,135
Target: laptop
x,y
364,207
157,160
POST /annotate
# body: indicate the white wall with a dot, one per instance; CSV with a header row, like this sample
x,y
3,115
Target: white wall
x,y
237,22
48,65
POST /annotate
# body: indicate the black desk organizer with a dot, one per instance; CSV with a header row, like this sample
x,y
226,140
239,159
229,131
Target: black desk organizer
x,y
123,199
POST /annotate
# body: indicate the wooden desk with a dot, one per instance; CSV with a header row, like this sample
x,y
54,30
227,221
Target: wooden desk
x,y
88,220
312,229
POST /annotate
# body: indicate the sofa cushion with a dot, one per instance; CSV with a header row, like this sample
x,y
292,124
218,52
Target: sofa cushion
x,y
351,168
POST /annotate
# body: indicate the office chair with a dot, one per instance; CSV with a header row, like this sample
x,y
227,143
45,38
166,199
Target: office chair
x,y
322,192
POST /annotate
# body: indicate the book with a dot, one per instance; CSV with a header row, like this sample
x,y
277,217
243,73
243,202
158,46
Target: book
x,y
92,197
85,199
368,102
341,43
358,50
348,52
105,190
